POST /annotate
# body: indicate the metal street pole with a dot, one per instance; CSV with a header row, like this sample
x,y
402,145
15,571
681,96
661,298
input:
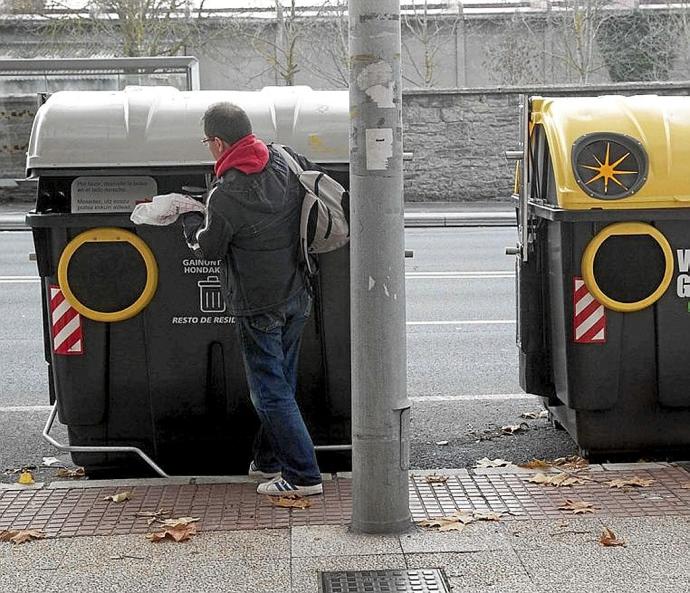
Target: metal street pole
x,y
380,408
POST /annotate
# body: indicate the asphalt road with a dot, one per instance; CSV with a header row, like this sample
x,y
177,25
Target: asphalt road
x,y
462,360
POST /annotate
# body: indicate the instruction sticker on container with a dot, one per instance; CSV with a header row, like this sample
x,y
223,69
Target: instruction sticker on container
x,y
103,194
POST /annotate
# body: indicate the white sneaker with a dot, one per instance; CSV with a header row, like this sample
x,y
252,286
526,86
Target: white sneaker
x,y
280,487
255,473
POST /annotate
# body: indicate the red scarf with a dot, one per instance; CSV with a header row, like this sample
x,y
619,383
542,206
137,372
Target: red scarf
x,y
248,154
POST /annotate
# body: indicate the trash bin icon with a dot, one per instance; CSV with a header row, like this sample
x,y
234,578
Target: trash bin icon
x,y
211,295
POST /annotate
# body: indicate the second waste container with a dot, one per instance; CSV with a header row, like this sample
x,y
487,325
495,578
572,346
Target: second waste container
x,y
604,269
139,346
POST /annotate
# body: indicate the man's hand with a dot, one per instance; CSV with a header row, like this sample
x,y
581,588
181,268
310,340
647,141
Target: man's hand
x,y
191,222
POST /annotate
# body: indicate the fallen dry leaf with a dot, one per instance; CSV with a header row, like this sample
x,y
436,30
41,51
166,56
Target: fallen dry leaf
x,y
458,520
179,521
64,472
634,481
513,428
609,539
536,464
26,478
152,516
486,462
290,501
120,497
178,533
442,523
571,462
442,443
534,415
434,479
686,486
20,537
558,480
577,507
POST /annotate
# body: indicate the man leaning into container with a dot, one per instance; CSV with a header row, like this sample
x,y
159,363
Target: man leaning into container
x,y
252,224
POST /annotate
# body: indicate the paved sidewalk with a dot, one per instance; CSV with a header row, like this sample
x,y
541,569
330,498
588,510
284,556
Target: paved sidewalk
x,y
245,543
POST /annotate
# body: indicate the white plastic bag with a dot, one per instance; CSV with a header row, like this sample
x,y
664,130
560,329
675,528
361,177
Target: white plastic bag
x,y
165,209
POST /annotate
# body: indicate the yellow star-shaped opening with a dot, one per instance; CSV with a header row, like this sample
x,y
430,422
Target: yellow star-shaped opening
x,y
607,170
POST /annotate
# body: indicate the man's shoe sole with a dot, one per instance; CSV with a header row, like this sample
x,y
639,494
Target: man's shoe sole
x,y
301,491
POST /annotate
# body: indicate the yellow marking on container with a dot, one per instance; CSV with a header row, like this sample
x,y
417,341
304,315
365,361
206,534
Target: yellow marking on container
x,y
628,229
109,235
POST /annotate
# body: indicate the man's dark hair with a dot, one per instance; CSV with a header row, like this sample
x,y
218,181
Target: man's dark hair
x,y
226,121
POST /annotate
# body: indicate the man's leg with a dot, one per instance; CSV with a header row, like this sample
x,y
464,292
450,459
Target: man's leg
x,y
273,395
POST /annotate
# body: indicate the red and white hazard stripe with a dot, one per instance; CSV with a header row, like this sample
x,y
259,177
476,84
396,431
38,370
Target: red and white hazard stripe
x,y
65,324
589,316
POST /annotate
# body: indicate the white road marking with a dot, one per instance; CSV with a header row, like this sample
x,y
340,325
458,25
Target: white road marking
x,y
466,322
458,275
19,279
472,397
25,409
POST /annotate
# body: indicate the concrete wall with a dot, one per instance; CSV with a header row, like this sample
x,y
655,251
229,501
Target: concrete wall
x,y
16,116
458,137
472,52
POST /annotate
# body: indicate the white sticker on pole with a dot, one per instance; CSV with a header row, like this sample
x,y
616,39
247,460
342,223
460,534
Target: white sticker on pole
x,y
589,316
65,324
111,194
379,143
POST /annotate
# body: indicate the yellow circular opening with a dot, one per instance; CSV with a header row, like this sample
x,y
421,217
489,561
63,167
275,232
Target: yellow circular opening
x,y
109,235
626,228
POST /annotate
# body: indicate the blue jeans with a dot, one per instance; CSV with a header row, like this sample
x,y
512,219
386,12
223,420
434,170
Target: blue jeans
x,y
270,348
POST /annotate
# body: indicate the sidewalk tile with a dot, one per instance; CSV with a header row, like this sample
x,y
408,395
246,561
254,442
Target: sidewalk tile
x,y
189,574
305,571
132,549
126,484
475,537
338,540
266,544
520,585
664,562
42,554
589,565
21,487
17,579
594,585
549,534
478,570
463,473
638,466
218,480
651,530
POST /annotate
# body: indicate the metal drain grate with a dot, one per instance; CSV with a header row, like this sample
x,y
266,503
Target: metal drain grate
x,y
424,580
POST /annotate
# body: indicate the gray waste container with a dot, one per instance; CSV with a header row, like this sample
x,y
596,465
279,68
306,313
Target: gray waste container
x,y
140,349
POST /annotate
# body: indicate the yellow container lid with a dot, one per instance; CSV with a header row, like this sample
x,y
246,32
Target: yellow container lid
x,y
617,152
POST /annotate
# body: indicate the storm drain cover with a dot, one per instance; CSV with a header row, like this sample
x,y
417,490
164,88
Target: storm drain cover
x,y
424,580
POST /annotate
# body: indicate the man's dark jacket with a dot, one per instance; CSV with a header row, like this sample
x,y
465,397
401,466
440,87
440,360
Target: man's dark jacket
x,y
252,226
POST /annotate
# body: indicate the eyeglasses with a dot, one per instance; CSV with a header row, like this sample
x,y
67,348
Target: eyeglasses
x,y
207,140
